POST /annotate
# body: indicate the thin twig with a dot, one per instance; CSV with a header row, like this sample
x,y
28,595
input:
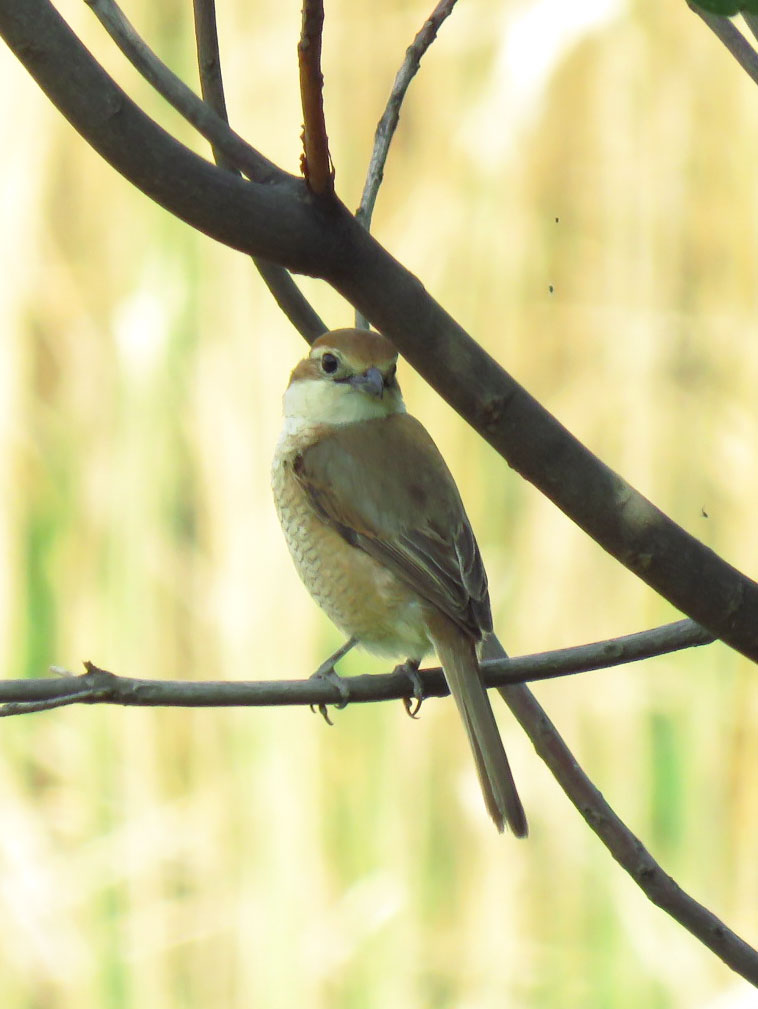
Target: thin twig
x,y
285,291
291,300
316,161
239,153
751,20
728,33
99,686
209,65
387,125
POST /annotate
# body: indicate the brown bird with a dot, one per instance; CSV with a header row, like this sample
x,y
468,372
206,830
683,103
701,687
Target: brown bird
x,y
377,529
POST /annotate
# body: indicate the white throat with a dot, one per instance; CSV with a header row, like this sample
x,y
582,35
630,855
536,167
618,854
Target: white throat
x,y
313,402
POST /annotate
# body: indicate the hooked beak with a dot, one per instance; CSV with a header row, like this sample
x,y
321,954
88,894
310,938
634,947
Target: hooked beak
x,y
371,382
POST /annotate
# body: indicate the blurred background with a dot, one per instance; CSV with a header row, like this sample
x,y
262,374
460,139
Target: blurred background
x,y
576,183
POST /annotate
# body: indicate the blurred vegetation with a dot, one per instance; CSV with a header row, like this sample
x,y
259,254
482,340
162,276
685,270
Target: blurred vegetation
x,y
596,230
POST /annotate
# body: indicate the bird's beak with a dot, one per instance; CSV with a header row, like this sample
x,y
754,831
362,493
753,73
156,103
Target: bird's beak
x,y
371,382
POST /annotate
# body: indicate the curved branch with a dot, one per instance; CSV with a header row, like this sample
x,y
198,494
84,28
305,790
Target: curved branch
x,y
286,224
209,125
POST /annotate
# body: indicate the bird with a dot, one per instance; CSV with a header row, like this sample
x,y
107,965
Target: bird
x,y
379,535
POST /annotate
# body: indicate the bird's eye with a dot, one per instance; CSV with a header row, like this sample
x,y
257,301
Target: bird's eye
x,y
391,372
329,364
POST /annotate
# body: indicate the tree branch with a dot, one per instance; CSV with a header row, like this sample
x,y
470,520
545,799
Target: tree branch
x,y
387,125
751,20
285,291
728,33
282,223
625,847
238,152
316,160
100,686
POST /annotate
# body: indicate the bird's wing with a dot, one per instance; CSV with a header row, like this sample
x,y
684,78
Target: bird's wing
x,y
383,485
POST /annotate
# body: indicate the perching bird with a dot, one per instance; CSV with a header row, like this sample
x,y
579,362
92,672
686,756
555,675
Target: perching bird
x,y
376,527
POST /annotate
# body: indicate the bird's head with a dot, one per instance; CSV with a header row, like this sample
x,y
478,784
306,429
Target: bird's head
x,y
349,376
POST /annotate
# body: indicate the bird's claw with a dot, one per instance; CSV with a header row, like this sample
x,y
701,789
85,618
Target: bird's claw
x,y
327,672
409,669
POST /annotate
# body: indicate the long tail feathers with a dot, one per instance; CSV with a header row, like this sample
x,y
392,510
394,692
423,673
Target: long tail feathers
x,y
457,654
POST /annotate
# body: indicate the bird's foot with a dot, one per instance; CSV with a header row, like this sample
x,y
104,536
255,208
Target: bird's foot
x,y
327,672
409,669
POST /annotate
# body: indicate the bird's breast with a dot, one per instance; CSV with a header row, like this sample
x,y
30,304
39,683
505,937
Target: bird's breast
x,y
365,599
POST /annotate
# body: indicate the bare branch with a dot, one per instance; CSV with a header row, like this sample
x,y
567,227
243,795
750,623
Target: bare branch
x,y
285,291
385,130
625,847
100,686
316,161
291,300
238,152
728,33
751,20
387,125
598,655
209,64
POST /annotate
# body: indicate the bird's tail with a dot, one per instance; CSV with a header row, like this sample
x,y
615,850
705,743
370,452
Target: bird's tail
x,y
457,653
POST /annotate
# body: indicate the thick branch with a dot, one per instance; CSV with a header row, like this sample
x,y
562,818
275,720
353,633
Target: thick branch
x,y
317,163
282,223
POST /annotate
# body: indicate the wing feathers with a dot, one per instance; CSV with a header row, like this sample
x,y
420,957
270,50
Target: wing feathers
x,y
383,485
